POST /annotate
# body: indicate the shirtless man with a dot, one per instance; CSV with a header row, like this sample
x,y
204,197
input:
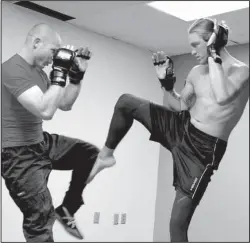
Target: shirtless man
x,y
195,125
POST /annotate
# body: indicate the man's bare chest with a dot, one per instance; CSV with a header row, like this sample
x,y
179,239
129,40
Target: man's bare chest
x,y
203,85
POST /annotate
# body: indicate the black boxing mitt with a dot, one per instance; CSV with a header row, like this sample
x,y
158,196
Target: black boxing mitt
x,y
75,74
218,40
62,62
168,82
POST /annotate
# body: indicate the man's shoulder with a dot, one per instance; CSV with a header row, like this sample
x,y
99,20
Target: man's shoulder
x,y
9,63
238,65
196,70
199,68
14,66
240,68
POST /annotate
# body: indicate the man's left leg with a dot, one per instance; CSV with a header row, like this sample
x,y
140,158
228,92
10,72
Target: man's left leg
x,y
182,212
79,156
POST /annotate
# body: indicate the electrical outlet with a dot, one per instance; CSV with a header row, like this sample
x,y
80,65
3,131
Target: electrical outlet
x,y
116,219
124,218
96,217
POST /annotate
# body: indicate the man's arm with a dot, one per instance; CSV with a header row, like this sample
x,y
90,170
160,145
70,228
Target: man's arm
x,y
76,74
43,105
184,101
226,88
165,73
173,100
71,92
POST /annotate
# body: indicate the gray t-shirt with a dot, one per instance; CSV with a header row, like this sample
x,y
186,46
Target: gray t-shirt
x,y
19,126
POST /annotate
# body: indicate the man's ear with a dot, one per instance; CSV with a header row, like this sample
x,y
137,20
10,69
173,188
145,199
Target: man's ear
x,y
36,43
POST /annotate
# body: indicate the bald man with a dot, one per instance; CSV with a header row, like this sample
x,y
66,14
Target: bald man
x,y
28,153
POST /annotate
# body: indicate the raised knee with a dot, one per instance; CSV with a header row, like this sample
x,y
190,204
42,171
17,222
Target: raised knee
x,y
123,101
89,148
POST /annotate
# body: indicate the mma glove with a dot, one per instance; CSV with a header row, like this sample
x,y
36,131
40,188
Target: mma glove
x,y
75,74
62,63
169,80
217,40
214,53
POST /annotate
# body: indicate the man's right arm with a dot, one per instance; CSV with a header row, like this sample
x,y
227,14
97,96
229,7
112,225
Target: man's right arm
x,y
165,73
184,101
21,85
43,105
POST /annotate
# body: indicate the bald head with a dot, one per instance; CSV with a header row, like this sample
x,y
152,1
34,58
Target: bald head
x,y
45,33
40,45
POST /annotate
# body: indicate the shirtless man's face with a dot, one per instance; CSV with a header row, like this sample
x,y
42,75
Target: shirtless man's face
x,y
199,48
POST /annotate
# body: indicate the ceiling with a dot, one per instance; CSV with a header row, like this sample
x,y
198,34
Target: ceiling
x,y
136,23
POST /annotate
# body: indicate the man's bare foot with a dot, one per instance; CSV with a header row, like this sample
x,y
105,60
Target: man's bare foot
x,y
100,164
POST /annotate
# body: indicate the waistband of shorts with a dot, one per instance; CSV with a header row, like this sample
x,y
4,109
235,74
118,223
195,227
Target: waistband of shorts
x,y
8,145
196,131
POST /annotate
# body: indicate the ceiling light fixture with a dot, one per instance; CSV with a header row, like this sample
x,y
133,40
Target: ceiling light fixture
x,y
191,10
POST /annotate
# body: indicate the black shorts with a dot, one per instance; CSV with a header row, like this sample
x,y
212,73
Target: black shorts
x,y
195,154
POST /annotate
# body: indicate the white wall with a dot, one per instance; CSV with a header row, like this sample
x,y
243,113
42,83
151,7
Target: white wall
x,y
223,214
130,186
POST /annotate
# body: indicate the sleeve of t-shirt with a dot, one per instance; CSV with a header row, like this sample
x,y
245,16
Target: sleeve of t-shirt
x,y
46,78
16,80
